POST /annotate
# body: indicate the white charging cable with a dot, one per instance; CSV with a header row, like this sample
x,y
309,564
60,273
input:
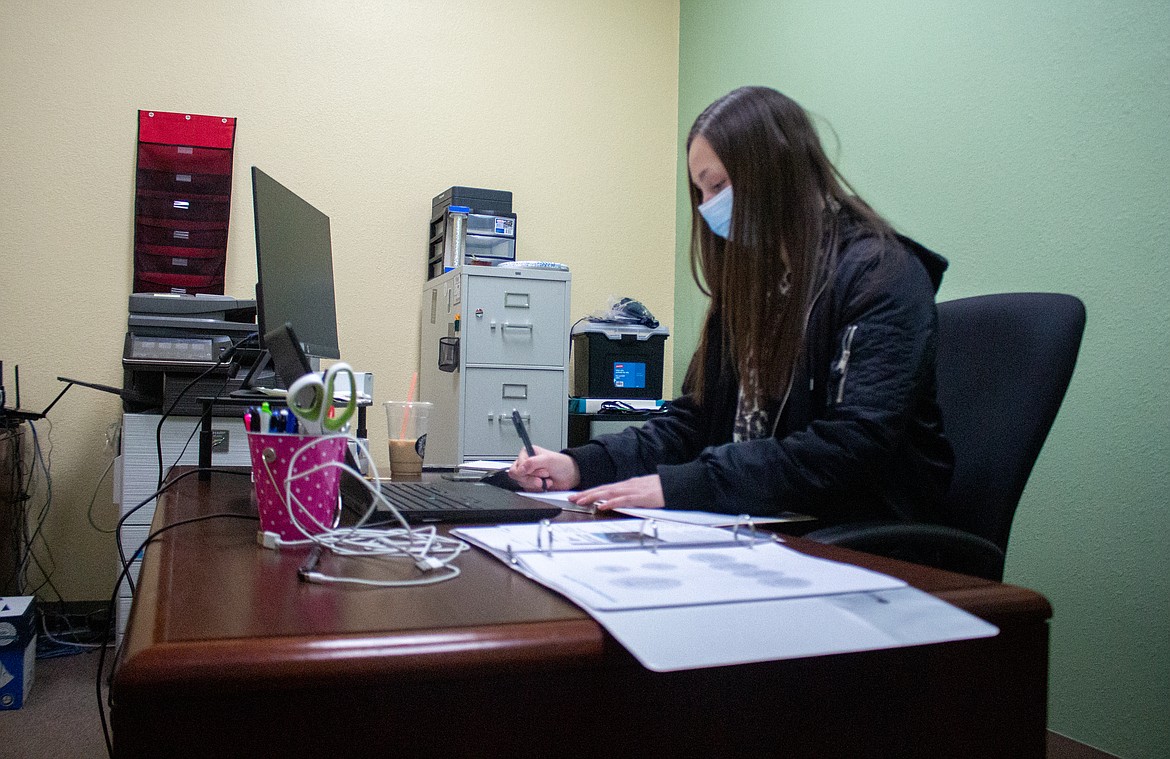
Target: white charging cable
x,y
424,546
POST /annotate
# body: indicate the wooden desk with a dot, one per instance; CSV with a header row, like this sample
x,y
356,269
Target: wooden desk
x,y
227,654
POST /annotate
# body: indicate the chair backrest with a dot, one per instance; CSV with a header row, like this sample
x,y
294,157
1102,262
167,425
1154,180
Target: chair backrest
x,y
1004,363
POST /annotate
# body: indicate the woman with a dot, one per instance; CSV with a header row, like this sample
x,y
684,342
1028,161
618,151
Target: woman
x,y
813,385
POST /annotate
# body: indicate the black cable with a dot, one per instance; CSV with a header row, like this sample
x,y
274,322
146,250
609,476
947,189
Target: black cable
x,y
175,402
125,573
166,486
228,354
122,520
42,517
206,413
61,637
571,328
19,496
93,499
26,478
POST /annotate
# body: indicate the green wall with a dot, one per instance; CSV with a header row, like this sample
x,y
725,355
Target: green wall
x,y
1028,143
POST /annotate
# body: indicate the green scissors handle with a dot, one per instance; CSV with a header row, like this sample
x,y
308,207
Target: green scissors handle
x,y
315,413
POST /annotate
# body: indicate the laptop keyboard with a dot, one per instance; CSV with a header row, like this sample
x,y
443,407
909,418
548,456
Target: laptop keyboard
x,y
417,496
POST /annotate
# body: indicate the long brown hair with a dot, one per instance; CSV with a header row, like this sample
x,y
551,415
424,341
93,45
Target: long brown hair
x,y
761,280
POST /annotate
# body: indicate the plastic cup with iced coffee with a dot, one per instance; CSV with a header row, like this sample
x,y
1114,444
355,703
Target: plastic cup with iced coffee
x,y
406,425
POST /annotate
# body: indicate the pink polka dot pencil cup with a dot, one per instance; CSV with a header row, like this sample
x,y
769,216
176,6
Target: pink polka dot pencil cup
x,y
301,501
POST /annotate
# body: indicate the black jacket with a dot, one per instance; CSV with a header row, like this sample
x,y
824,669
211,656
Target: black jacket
x,y
860,435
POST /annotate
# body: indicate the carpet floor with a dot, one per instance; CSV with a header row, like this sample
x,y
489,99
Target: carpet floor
x,y
60,717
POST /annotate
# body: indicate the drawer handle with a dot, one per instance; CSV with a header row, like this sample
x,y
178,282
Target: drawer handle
x,y
509,325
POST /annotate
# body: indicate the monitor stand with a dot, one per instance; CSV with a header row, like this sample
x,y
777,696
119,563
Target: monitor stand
x,y
260,377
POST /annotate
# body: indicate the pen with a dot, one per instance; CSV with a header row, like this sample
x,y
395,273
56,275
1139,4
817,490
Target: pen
x,y
518,423
523,433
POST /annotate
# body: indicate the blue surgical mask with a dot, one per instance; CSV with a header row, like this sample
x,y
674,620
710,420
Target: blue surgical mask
x,y
717,212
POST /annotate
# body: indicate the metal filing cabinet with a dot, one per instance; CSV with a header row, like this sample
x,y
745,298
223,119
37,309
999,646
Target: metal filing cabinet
x,y
137,474
511,327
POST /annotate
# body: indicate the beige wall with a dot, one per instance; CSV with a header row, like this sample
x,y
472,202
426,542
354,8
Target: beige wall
x,y
365,109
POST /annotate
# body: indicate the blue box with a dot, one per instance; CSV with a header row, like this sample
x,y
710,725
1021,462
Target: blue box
x,y
18,649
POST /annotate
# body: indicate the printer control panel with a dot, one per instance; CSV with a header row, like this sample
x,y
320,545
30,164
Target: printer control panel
x,y
147,350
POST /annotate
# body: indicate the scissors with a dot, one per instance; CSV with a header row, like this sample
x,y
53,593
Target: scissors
x,y
315,413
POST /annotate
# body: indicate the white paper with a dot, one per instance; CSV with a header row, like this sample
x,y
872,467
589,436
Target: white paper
x,y
690,637
555,496
560,498
485,466
695,575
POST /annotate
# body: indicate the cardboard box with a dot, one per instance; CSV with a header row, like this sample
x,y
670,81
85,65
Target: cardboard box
x,y
18,649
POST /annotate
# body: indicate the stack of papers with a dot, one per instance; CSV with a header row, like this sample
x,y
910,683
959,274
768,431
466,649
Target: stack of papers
x,y
680,596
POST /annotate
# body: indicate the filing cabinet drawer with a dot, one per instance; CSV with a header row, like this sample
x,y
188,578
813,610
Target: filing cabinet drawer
x,y
537,394
515,321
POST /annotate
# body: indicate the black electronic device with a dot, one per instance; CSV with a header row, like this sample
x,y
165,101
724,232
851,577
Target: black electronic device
x,y
180,347
294,267
287,353
617,361
452,502
16,415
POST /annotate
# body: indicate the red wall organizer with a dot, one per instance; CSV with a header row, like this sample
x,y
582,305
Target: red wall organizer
x,y
183,202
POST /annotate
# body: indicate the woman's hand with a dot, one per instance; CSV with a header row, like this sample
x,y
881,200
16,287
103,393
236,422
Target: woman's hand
x,y
547,470
636,492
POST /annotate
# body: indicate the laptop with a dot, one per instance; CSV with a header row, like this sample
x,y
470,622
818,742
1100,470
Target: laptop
x,y
447,501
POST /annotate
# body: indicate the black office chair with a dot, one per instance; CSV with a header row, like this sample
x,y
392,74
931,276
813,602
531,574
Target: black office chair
x,y
1004,364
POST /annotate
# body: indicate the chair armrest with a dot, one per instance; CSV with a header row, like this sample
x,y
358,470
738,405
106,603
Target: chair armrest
x,y
932,544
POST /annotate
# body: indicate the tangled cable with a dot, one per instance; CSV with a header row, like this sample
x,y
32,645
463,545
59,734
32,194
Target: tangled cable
x,y
424,546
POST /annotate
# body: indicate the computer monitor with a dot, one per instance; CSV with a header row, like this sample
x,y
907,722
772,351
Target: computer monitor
x,y
294,267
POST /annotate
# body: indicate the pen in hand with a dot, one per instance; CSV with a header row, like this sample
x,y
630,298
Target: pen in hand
x,y
518,423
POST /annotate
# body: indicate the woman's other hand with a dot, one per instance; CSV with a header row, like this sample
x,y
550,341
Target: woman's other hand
x,y
636,492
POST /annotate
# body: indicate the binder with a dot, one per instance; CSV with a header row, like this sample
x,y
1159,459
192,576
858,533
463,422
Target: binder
x,y
681,596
